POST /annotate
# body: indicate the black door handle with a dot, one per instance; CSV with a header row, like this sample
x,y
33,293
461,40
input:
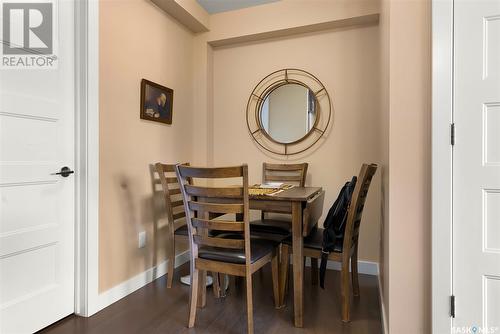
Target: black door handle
x,y
65,171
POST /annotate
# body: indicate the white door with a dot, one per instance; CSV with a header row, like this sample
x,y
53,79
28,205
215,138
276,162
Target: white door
x,y
37,214
476,175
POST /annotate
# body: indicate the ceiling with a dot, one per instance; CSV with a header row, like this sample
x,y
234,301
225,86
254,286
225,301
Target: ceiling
x,y
217,6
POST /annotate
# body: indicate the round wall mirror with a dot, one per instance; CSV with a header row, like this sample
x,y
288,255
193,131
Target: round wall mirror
x,y
288,113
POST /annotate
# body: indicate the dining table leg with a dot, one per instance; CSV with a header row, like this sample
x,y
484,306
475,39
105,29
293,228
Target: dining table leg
x,y
298,265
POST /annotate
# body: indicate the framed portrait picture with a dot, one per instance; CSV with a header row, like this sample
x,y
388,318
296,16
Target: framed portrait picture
x,y
156,102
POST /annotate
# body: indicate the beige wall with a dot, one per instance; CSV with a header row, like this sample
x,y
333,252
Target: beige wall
x,y
137,40
406,252
346,61
410,161
252,24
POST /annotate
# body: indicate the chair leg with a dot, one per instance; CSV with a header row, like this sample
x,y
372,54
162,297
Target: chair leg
x,y
202,286
345,290
249,302
224,280
275,277
354,273
216,285
171,263
194,297
283,273
314,271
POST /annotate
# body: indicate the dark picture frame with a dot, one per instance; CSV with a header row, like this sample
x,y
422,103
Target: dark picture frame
x,y
156,102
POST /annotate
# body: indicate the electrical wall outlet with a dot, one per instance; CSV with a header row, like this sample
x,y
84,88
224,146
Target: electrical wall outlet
x,y
142,239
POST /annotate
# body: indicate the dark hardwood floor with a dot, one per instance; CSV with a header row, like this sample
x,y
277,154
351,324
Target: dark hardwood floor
x,y
156,309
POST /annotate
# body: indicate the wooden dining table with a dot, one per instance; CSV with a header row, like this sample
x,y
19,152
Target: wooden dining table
x,y
292,201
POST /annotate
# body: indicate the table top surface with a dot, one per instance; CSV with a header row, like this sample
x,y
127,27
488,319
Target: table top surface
x,y
299,194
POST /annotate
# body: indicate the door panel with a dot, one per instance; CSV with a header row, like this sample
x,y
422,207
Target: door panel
x,y
491,47
491,125
40,215
492,302
491,202
476,180
37,213
38,146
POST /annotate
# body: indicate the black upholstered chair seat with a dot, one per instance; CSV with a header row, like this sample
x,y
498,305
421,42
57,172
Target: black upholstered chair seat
x,y
259,248
274,226
183,230
315,241
277,238
269,229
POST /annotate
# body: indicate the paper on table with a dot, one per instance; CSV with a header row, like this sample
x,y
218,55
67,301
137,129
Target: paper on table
x,y
271,185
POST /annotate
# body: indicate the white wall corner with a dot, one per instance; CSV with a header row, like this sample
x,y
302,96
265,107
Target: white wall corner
x,y
442,162
87,178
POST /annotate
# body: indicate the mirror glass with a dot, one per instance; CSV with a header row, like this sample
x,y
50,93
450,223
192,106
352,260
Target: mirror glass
x,y
288,113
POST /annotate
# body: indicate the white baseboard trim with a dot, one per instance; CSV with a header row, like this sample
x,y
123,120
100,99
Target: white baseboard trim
x,y
364,267
385,329
138,281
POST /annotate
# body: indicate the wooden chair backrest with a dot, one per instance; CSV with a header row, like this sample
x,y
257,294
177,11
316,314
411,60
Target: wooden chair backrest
x,y
355,213
207,202
287,173
171,194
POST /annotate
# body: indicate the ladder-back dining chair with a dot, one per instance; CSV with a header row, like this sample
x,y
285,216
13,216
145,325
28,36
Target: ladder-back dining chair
x,y
346,251
176,217
294,174
287,173
230,251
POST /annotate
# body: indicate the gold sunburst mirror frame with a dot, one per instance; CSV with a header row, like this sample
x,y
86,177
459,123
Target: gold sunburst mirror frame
x,y
322,109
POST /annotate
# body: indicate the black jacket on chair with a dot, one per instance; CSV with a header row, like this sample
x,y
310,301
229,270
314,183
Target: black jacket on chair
x,y
334,225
